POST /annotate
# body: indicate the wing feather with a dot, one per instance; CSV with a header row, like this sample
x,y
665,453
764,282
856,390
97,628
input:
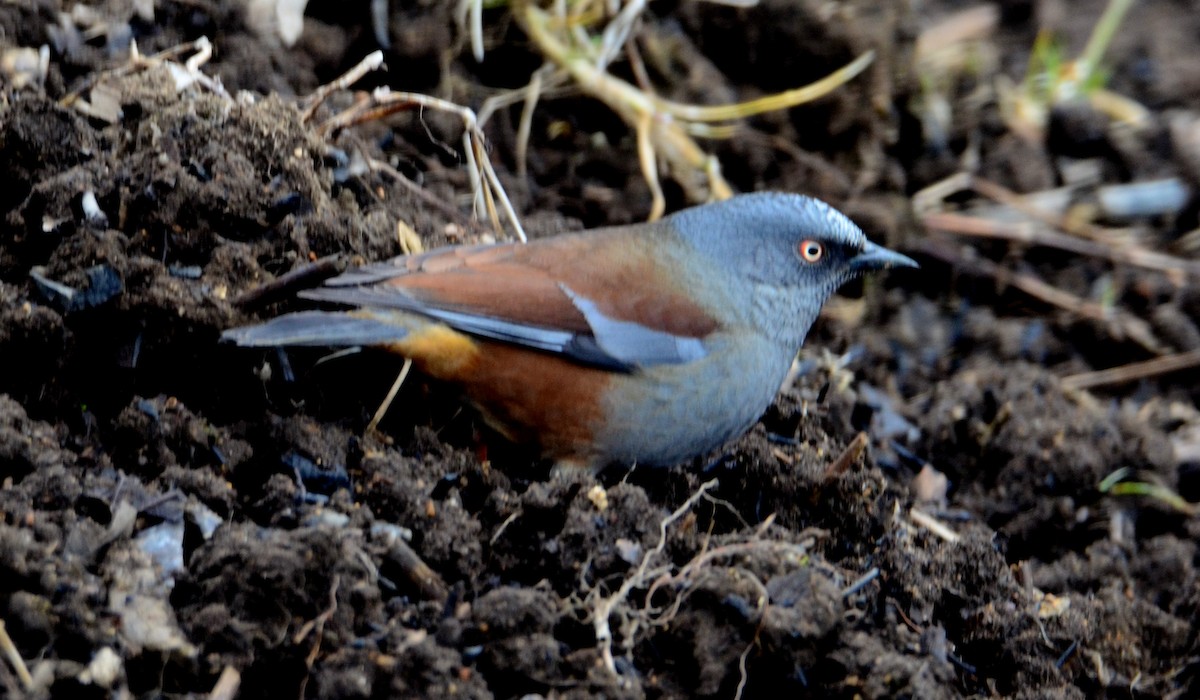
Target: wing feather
x,y
600,298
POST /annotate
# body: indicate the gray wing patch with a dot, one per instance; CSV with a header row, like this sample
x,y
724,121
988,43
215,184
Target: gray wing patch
x,y
536,337
633,344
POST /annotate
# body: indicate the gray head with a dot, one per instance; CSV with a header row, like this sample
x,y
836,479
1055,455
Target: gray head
x,y
789,251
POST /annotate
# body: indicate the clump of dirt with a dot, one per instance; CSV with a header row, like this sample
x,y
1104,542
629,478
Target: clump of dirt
x,y
177,514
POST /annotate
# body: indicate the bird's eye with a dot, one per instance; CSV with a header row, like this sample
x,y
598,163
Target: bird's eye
x,y
811,250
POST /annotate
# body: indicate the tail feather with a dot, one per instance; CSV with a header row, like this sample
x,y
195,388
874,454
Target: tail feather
x,y
317,328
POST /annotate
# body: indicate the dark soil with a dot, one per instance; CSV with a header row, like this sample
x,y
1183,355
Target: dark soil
x,y
172,508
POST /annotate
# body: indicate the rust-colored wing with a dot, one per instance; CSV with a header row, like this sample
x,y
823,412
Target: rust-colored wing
x,y
602,298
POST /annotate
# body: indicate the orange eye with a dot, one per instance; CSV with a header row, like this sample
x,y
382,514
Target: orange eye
x,y
811,250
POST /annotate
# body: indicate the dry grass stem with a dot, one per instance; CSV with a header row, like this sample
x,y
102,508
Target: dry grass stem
x,y
421,193
1039,229
1134,371
227,685
373,61
928,205
743,674
971,24
391,395
316,627
861,582
664,128
14,657
185,73
1120,324
935,526
849,455
488,191
485,184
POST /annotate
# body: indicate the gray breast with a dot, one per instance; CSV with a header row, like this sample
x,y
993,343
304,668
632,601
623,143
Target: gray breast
x,y
667,414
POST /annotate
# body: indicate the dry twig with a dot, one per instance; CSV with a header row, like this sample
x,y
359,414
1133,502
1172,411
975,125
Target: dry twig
x,y
304,277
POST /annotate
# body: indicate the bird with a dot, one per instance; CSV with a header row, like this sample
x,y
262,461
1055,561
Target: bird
x,y
645,344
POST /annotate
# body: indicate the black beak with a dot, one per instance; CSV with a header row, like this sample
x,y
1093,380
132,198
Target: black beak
x,y
875,257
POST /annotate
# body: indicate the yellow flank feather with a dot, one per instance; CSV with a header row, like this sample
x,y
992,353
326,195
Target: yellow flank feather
x,y
438,350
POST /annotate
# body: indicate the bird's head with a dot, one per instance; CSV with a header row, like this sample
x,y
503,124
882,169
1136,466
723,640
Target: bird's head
x,y
789,252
